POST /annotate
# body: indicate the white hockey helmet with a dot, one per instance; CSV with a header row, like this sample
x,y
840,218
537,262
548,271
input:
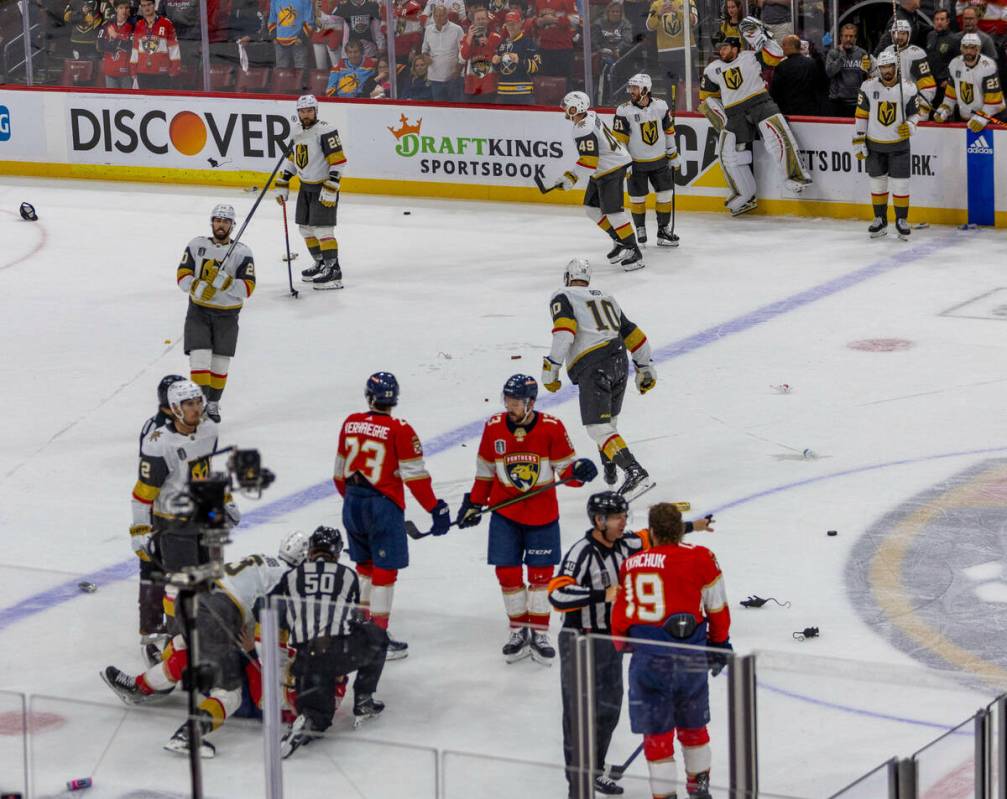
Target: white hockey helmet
x,y
971,40
307,101
294,548
179,392
577,269
642,81
901,26
575,103
886,58
223,211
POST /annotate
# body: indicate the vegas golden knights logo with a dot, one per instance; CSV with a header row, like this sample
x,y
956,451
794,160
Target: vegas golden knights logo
x,y
967,92
886,113
648,132
199,470
301,156
732,78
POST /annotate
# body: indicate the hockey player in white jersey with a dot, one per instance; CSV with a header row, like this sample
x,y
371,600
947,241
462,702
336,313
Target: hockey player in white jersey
x,y
732,88
886,117
169,457
592,335
221,616
217,290
318,159
913,65
645,127
973,89
602,163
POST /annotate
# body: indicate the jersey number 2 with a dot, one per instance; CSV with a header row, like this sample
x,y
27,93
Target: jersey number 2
x,y
371,467
645,596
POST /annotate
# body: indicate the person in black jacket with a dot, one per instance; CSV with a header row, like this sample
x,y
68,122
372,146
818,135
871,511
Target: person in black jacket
x,y
797,85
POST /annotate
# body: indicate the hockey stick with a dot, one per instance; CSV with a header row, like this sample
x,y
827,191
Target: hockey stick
x,y
265,188
414,532
542,187
616,772
286,238
674,183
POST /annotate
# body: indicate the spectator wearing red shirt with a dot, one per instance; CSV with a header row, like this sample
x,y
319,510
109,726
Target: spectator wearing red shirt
x,y
555,24
156,58
327,35
477,51
115,43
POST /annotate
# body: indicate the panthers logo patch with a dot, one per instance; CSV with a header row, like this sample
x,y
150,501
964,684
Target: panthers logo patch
x,y
523,469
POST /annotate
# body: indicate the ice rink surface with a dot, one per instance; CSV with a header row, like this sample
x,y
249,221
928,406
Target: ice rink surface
x,y
893,352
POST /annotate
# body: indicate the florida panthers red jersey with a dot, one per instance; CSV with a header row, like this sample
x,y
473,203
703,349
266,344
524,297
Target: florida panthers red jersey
x,y
669,579
514,459
387,453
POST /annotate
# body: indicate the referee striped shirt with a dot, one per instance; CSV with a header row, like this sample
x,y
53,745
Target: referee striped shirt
x,y
319,596
588,569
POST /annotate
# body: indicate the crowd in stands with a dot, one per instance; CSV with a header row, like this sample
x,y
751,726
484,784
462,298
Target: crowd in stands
x,y
486,51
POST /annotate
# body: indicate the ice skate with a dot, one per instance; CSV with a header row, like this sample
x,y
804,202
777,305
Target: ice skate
x,y
616,254
632,260
878,228
902,229
518,645
637,482
665,238
365,707
301,733
308,275
124,686
641,235
179,743
397,650
213,411
331,277
542,650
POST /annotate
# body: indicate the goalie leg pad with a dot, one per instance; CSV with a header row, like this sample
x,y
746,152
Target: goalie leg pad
x,y
737,167
782,147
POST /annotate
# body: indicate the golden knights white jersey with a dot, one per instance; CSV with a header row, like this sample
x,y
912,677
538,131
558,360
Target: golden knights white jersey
x,y
645,132
168,459
599,153
914,68
878,115
734,82
251,579
974,89
595,320
202,261
317,151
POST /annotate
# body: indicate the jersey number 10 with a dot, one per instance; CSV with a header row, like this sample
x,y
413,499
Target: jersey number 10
x,y
606,306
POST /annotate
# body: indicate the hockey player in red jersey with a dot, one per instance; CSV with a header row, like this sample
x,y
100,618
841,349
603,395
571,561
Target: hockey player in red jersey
x,y
378,456
523,450
672,593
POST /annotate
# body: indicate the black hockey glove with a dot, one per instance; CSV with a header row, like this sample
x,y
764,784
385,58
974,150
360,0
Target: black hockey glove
x,y
716,660
584,470
469,514
442,518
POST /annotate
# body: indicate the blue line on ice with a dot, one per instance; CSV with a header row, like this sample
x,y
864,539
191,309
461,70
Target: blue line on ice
x,y
69,590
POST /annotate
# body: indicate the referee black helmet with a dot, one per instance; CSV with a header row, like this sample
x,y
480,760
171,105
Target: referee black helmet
x,y
325,542
606,503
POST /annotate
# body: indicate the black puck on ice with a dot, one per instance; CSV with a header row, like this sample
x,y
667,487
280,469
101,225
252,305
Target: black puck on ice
x,y
406,213
832,532
86,587
28,212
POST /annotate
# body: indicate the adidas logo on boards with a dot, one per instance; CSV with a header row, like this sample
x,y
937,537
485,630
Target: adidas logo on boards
x,y
980,147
